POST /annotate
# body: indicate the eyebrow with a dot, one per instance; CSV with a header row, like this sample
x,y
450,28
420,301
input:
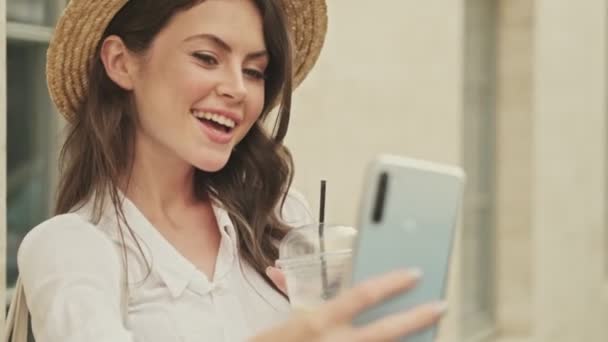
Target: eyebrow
x,y
224,46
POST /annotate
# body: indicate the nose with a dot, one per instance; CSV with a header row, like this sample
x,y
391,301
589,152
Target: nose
x,y
232,87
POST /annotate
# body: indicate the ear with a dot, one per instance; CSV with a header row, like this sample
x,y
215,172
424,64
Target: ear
x,y
119,63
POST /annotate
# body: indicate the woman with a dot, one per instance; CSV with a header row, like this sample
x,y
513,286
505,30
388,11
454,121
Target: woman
x,y
173,195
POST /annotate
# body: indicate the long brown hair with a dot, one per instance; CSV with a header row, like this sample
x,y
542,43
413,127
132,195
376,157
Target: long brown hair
x,y
99,147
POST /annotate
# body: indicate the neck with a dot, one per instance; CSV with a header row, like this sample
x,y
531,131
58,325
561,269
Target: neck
x,y
158,181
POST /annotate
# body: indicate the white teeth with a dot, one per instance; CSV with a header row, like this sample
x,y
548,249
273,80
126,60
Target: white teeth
x,y
222,120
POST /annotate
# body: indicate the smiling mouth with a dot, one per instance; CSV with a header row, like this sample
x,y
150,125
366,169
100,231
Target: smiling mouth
x,y
215,121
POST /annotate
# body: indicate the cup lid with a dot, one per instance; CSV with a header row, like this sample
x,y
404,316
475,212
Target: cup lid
x,y
316,239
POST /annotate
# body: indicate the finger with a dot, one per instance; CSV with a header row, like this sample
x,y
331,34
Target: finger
x,y
400,325
367,294
277,277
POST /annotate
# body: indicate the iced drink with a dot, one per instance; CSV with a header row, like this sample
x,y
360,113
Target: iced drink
x,y
316,261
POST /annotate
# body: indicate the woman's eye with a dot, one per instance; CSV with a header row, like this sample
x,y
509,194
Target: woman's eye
x,y
205,58
255,74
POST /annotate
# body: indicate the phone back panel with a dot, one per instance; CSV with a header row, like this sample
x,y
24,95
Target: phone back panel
x,y
412,226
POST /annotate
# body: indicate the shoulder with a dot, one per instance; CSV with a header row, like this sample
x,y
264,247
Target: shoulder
x,y
296,210
72,278
60,231
62,242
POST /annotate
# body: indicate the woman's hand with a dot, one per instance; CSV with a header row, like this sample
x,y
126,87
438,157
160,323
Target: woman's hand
x,y
332,320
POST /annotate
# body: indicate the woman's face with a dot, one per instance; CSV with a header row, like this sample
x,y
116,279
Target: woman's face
x,y
200,86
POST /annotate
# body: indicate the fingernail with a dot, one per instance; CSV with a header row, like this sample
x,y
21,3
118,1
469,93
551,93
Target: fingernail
x,y
415,273
441,308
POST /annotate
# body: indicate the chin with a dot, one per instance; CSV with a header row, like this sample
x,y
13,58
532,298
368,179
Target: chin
x,y
212,162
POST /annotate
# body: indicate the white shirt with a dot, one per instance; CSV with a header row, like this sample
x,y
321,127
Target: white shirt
x,y
74,279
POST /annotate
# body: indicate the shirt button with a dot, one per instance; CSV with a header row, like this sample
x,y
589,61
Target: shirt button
x,y
218,290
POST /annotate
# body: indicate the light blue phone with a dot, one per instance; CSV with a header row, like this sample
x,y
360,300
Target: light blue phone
x,y
408,214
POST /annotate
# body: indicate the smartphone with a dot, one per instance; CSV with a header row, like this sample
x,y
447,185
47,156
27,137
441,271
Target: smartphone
x,y
408,214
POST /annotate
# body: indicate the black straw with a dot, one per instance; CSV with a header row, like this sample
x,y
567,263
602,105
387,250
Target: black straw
x,y
322,203
322,239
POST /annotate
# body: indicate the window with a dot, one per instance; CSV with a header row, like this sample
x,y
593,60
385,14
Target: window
x,y
31,122
33,12
479,147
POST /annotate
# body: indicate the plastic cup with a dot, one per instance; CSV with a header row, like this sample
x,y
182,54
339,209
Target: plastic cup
x,y
316,260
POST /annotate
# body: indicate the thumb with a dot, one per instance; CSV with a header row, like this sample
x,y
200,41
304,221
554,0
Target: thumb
x,y
277,277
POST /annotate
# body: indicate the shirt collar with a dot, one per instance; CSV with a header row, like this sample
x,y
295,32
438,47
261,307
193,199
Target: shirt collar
x,y
224,222
172,267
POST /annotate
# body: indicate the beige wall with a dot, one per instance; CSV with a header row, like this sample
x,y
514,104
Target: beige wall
x,y
389,80
396,86
391,86
552,155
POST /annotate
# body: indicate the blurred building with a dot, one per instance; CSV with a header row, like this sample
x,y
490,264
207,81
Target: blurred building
x,y
31,120
513,90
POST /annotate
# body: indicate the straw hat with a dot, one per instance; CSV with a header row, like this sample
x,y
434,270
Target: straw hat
x,y
83,22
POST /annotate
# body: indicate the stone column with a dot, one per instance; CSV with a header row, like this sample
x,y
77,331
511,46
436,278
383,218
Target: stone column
x,y
569,147
515,164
